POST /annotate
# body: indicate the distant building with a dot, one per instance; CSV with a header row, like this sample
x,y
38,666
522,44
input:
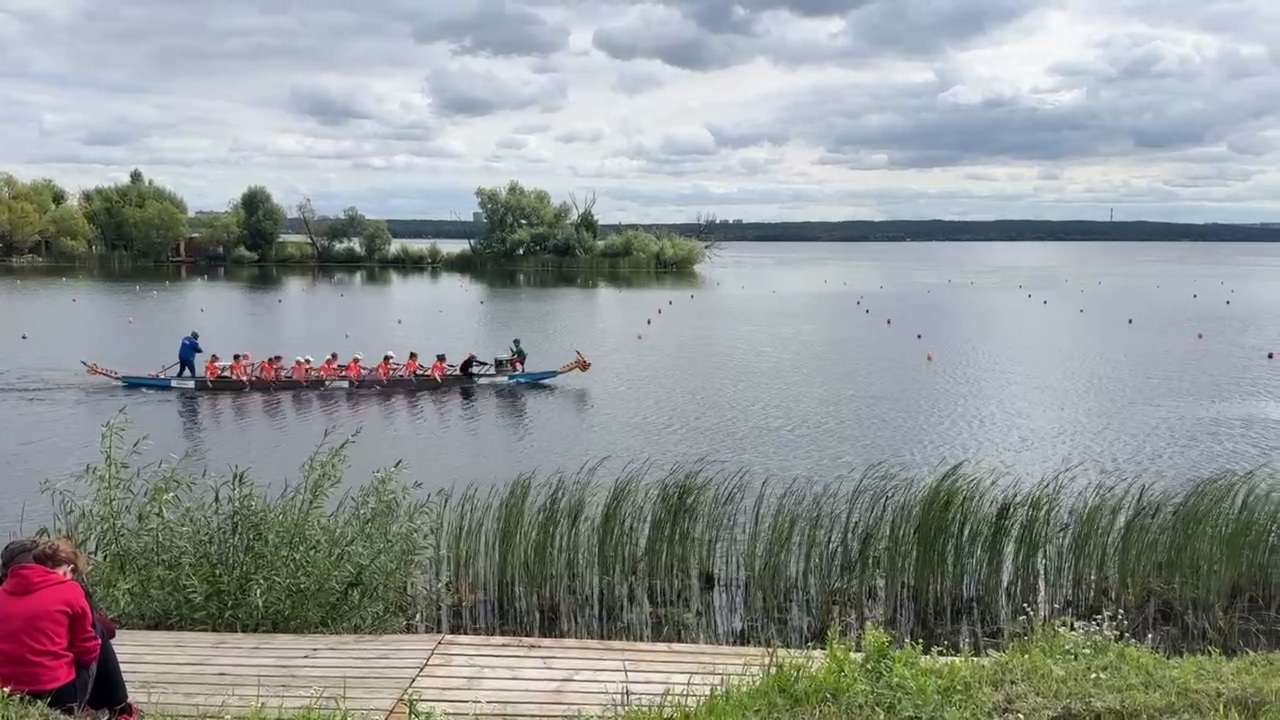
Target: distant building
x,y
737,221
477,217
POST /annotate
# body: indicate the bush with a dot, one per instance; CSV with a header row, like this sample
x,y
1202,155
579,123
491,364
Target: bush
x,y
177,551
410,256
293,252
346,255
435,255
242,256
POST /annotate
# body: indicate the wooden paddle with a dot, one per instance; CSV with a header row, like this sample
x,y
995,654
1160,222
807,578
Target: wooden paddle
x,y
162,372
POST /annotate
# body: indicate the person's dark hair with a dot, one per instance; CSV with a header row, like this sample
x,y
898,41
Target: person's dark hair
x,y
16,553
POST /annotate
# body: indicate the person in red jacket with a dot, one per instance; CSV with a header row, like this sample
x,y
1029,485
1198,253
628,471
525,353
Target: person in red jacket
x,y
51,646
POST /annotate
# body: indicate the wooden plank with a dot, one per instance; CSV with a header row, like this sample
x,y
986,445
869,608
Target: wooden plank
x,y
267,661
241,671
578,644
512,709
355,695
628,655
450,672
162,681
483,687
283,642
554,663
235,654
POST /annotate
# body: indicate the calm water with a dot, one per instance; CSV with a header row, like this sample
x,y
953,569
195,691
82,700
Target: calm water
x,y
767,359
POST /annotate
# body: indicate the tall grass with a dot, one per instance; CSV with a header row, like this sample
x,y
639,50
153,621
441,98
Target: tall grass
x,y
956,559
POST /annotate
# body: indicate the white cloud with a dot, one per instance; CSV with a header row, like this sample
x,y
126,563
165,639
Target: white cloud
x,y
761,109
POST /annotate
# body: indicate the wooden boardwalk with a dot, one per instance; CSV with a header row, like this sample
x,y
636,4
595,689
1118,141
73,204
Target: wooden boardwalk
x,y
215,674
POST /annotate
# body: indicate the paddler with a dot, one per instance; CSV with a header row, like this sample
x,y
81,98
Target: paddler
x,y
187,353
467,367
439,368
213,368
411,366
329,368
267,369
238,369
300,370
519,354
307,363
354,369
384,369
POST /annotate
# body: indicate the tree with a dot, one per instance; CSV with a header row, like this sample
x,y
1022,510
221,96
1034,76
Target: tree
x,y
348,228
519,220
375,241
138,217
36,216
261,220
316,228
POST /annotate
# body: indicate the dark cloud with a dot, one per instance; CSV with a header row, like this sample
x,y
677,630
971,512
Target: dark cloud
x,y
328,107
465,91
704,35
112,137
1130,97
495,28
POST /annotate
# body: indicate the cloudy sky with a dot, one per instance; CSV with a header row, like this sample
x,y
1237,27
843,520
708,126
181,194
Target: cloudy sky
x,y
758,109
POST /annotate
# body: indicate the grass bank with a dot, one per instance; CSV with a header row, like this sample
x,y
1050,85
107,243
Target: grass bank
x,y
1059,672
957,559
1055,672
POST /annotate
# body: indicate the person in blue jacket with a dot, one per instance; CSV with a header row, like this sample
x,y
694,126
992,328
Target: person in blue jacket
x,y
187,353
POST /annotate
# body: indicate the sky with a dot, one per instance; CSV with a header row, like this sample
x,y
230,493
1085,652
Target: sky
x,y
756,109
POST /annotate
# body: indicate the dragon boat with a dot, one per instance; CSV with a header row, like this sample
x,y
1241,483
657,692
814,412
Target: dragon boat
x,y
500,373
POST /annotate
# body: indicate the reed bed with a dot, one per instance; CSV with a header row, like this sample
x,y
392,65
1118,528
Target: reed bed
x,y
960,559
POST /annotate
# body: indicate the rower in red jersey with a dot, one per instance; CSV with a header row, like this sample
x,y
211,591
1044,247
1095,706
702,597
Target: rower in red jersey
x,y
239,369
299,370
439,368
411,366
213,368
354,369
307,363
329,368
384,369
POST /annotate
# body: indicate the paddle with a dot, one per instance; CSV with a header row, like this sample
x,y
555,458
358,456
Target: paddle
x,y
162,372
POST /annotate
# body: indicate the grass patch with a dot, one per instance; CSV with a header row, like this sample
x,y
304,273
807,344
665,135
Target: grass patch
x,y
1057,672
957,559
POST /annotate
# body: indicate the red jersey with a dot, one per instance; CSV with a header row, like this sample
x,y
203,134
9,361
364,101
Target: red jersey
x,y
411,368
238,371
383,370
354,370
439,368
329,369
268,371
212,370
299,372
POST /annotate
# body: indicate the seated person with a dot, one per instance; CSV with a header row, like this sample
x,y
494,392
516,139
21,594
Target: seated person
x,y
54,648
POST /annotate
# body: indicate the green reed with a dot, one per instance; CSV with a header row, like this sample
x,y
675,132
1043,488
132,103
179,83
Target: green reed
x,y
959,558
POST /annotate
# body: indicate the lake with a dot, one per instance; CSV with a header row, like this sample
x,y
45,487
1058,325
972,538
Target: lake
x,y
785,359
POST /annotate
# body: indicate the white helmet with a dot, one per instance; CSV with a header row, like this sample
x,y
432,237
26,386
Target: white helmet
x,y
391,355
358,356
307,359
297,359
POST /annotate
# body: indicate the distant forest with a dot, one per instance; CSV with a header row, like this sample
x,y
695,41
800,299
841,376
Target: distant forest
x,y
893,231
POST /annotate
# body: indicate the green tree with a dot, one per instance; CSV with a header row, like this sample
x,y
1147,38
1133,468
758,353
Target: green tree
x,y
37,216
519,220
137,217
69,233
375,240
317,229
261,221
218,231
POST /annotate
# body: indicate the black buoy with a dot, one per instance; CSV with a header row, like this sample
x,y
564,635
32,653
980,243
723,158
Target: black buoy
x,y
1194,296
1271,356
1130,321
868,311
919,336
1228,302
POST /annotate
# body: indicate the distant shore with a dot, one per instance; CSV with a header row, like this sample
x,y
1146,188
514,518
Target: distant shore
x,y
893,231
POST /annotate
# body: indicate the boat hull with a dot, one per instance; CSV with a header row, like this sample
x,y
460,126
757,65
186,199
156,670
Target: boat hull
x,y
395,384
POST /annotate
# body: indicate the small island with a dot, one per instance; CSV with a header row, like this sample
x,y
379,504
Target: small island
x,y
140,221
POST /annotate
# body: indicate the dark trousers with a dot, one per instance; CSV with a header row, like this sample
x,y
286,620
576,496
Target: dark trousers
x,y
72,697
108,691
97,687
184,366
